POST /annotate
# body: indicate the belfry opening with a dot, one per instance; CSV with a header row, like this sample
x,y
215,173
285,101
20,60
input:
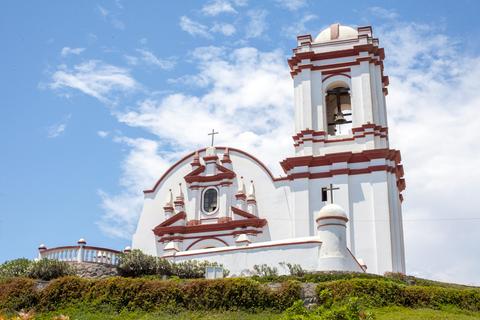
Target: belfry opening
x,y
339,111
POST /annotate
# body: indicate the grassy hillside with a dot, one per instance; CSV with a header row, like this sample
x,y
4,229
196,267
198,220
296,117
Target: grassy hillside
x,y
336,295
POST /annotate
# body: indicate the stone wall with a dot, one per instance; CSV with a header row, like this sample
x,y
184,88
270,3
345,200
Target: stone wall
x,y
94,270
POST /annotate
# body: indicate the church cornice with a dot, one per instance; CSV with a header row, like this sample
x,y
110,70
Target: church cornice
x,y
348,157
229,225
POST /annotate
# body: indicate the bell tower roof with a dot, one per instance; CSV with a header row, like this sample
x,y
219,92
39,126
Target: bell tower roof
x,y
336,32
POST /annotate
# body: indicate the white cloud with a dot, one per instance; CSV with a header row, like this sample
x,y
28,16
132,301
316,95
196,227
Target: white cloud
x,y
103,134
111,18
58,129
383,13
299,27
139,168
240,83
215,7
432,106
95,79
292,5
257,24
103,12
151,59
67,50
224,28
194,28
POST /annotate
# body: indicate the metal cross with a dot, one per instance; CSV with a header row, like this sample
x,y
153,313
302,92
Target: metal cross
x,y
213,133
331,189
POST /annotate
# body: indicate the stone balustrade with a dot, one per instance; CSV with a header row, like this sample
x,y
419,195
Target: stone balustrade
x,y
81,253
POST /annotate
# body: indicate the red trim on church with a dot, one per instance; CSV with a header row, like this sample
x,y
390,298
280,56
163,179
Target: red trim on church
x,y
234,233
188,156
358,133
230,225
172,220
251,248
195,176
206,238
242,213
348,157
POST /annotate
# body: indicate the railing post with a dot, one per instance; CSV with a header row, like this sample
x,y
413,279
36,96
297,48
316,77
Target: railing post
x,y
41,249
81,244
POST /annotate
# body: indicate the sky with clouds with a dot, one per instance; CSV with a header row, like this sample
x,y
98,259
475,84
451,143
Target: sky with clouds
x,y
98,100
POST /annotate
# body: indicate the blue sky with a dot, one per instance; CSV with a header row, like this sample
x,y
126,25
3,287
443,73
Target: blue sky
x,y
98,98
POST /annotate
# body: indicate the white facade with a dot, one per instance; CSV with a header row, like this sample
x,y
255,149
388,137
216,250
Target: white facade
x,y
222,204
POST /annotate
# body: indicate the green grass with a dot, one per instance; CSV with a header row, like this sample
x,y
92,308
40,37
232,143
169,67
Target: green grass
x,y
387,313
400,313
78,314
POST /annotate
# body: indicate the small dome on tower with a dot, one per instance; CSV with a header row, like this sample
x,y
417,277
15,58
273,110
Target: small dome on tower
x,y
336,32
332,211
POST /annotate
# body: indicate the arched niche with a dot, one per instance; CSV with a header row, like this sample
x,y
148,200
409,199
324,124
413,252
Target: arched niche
x,y
207,243
338,105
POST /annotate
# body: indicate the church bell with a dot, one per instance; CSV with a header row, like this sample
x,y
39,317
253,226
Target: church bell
x,y
339,118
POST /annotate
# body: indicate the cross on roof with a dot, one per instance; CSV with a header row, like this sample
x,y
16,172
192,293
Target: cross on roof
x,y
213,133
331,189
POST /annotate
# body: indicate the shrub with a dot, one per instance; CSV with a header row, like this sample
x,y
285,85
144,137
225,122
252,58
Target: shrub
x,y
324,276
136,264
295,270
15,268
62,292
17,294
46,269
119,293
263,270
378,293
163,267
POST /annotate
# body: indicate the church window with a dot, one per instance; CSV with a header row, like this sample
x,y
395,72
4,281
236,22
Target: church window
x,y
339,111
210,200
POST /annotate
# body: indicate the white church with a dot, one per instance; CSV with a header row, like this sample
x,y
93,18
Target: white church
x,y
338,206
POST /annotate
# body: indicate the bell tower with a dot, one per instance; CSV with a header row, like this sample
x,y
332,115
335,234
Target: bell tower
x,y
341,140
339,90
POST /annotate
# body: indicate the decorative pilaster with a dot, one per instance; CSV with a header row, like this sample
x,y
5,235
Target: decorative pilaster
x,y
241,196
251,200
196,161
180,200
168,208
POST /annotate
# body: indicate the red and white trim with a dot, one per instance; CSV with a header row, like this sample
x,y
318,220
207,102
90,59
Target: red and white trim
x,y
361,132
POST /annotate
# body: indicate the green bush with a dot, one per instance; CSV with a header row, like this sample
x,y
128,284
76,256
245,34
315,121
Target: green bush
x,y
138,264
295,270
17,294
15,268
119,293
379,293
46,269
264,270
63,291
323,276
